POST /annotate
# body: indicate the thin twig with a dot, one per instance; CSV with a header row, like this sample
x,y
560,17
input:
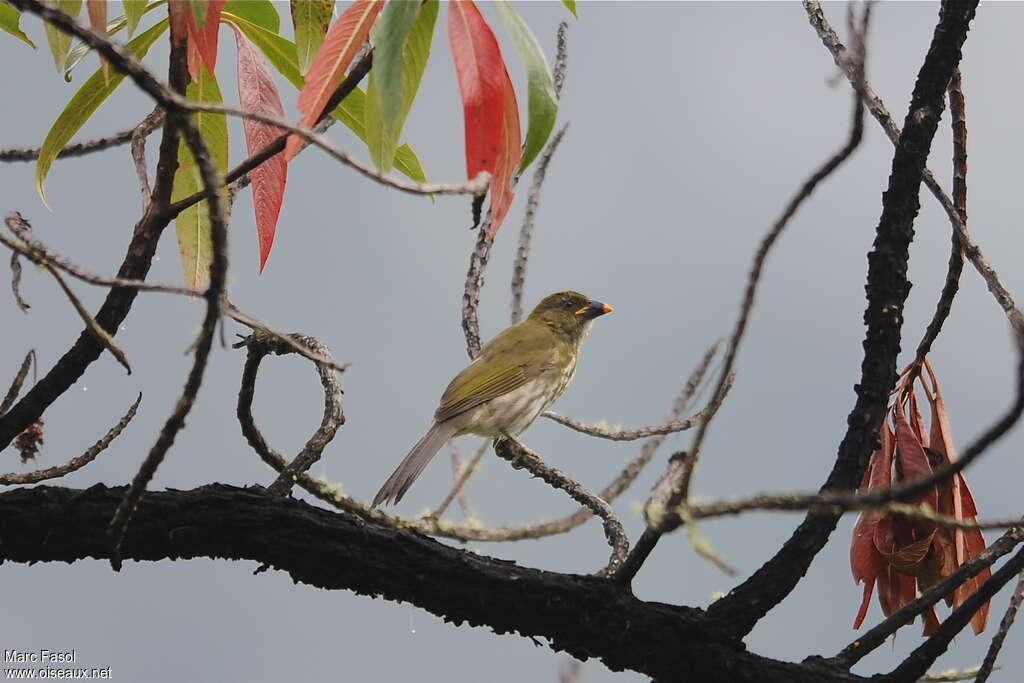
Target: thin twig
x,y
40,253
773,234
841,502
874,103
520,456
472,187
951,676
619,434
988,665
23,305
138,148
19,380
462,471
78,463
561,58
474,282
75,149
94,327
956,255
529,218
874,637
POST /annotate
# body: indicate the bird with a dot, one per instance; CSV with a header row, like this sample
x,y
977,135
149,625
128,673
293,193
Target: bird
x,y
514,378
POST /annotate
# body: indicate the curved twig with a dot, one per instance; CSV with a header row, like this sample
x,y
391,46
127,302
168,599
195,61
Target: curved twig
x,y
259,345
78,463
138,148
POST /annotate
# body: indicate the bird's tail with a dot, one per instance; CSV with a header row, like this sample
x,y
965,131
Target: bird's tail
x,y
411,467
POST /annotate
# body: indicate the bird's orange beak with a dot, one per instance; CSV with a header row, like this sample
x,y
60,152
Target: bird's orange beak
x,y
594,309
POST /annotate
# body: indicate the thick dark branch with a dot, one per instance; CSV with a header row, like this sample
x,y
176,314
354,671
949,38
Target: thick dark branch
x,y
887,289
582,615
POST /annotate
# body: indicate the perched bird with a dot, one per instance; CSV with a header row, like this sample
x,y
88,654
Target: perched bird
x,y
513,379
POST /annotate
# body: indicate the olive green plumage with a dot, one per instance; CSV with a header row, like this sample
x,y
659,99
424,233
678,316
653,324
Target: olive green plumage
x,y
513,379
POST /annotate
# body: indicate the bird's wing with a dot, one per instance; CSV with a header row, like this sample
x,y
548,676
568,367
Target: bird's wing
x,y
478,383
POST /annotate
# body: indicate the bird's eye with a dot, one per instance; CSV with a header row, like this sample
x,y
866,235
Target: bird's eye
x,y
567,304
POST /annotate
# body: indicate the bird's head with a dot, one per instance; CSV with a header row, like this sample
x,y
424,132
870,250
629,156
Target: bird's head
x,y
569,313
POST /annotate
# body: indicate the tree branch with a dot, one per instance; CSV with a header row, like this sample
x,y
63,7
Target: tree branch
x,y
582,615
887,289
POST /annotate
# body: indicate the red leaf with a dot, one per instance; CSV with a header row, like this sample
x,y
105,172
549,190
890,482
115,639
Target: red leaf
x,y
98,15
340,46
917,420
204,39
257,92
863,611
482,75
889,591
911,456
865,560
510,154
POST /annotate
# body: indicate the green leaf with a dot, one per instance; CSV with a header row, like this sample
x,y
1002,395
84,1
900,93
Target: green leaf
x,y
60,42
311,19
260,12
193,224
10,21
280,52
408,163
401,38
543,102
80,50
133,11
84,103
571,6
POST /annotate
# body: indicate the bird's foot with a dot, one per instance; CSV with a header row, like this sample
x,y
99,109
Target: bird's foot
x,y
514,447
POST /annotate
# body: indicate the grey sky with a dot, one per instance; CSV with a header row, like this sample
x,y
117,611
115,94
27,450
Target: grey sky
x,y
691,126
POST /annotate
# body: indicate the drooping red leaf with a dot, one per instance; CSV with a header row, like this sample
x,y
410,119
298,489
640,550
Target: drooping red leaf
x,y
340,46
510,154
257,92
481,74
889,591
865,560
204,38
912,459
917,420
864,603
